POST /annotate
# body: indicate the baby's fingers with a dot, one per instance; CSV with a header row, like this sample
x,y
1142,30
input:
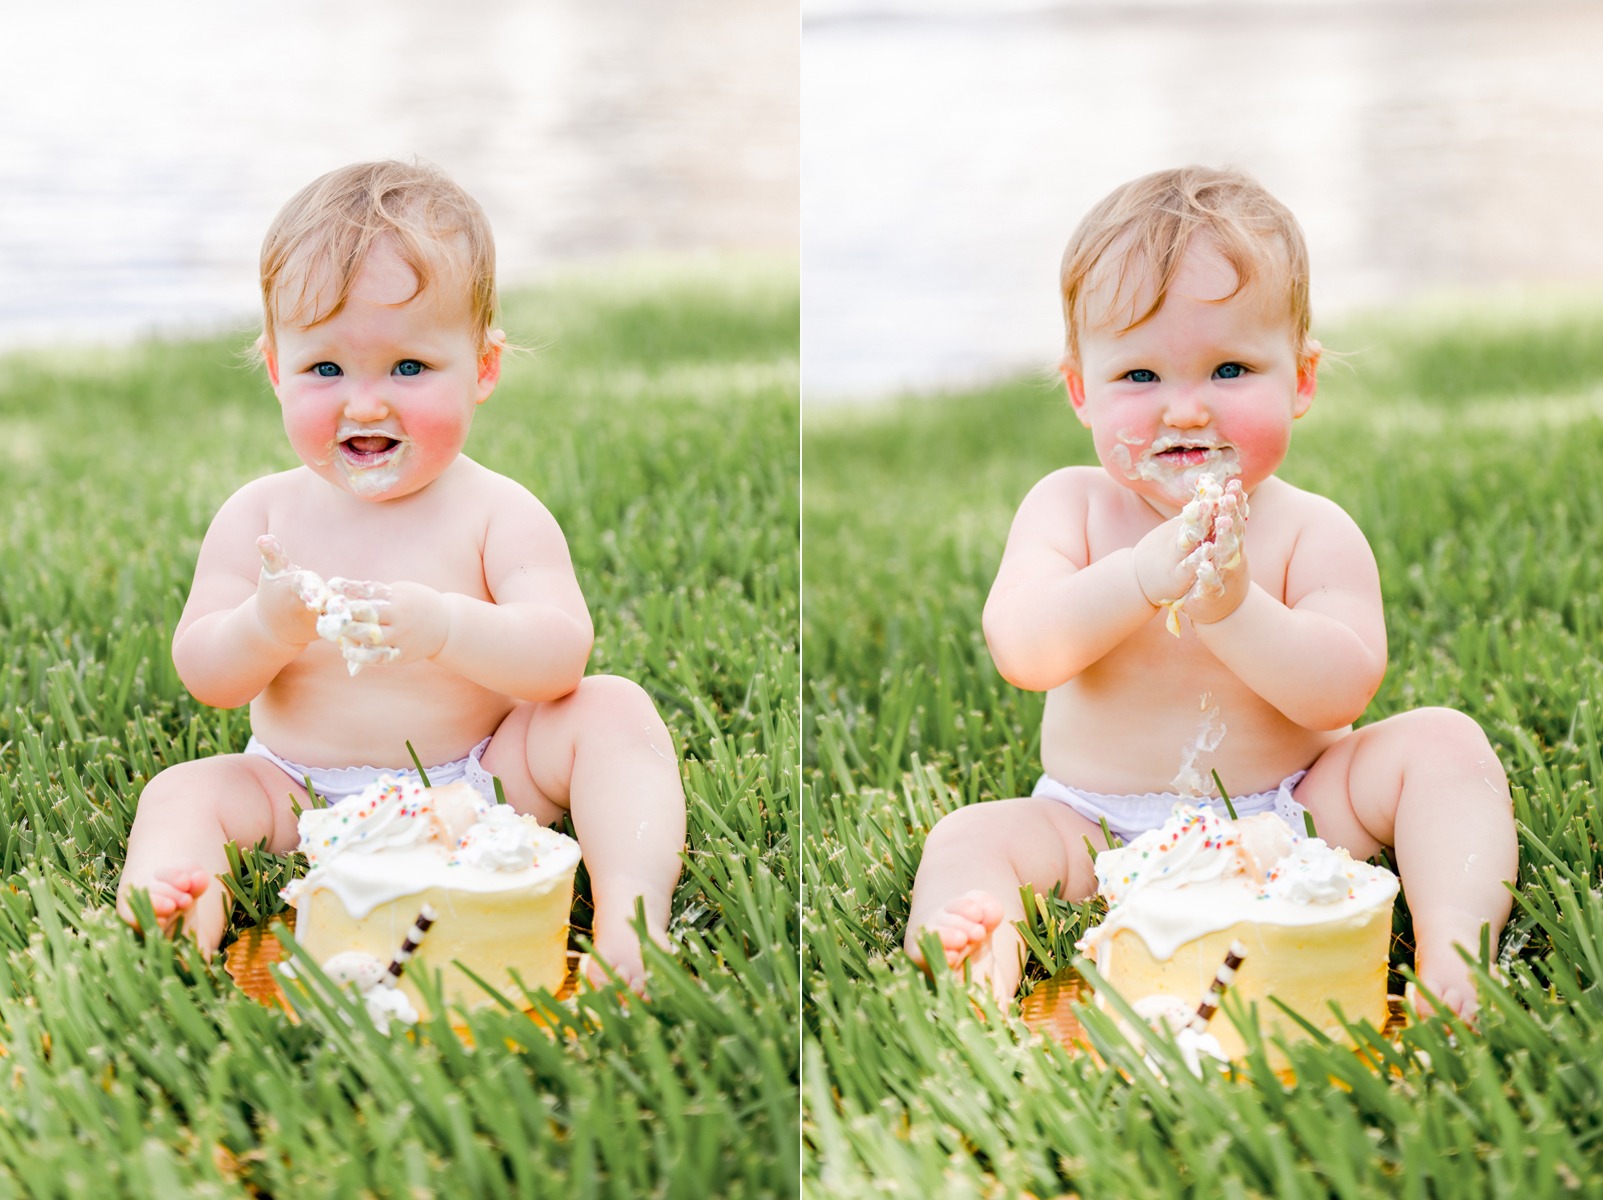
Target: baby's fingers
x,y
360,634
360,589
274,560
359,656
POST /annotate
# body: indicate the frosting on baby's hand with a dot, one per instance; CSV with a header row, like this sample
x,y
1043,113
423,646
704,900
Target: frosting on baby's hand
x,y
1213,525
347,610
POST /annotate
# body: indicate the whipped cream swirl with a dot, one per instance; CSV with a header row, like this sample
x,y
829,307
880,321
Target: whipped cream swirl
x,y
501,840
1193,846
393,814
1311,873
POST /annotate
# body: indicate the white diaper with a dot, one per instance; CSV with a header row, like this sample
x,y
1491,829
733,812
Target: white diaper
x,y
1128,817
333,784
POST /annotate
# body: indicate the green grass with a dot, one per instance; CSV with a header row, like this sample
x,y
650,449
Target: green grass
x,y
1463,440
656,417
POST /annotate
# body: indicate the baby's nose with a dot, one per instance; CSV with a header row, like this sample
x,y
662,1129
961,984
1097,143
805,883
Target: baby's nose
x,y
365,402
1185,408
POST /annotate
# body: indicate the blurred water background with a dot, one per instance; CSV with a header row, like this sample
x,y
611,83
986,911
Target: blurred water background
x,y
950,146
145,147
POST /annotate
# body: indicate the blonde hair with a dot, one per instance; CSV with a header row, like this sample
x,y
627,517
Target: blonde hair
x,y
329,227
1149,222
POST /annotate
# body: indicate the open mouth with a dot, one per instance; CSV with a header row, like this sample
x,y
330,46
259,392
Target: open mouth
x,y
368,449
1184,454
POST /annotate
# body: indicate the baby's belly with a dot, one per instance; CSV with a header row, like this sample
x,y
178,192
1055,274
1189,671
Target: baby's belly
x,y
317,714
1173,743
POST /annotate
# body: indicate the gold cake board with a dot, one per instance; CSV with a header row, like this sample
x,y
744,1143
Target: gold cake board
x,y
1049,1011
249,958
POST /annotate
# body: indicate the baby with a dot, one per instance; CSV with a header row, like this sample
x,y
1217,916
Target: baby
x,y
448,606
1185,297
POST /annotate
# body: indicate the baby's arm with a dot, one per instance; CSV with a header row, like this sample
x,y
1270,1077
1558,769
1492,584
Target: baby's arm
x,y
1319,655
241,626
532,639
1052,612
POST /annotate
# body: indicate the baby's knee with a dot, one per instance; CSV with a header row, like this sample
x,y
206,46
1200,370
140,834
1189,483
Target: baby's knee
x,y
613,702
613,693
221,790
960,828
1453,735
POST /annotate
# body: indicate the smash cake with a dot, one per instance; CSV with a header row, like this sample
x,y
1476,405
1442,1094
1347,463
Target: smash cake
x,y
498,886
1314,925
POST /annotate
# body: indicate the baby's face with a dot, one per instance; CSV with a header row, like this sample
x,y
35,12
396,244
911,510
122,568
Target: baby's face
x,y
1203,386
379,399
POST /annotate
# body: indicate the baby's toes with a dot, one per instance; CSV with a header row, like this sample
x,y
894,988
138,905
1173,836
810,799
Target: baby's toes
x,y
982,908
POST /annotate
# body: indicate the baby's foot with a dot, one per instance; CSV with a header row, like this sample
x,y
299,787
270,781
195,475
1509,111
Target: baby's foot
x,y
619,948
1448,978
965,927
173,892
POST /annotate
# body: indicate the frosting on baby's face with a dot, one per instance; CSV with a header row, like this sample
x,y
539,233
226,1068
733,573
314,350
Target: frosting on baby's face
x,y
378,398
1174,462
1208,383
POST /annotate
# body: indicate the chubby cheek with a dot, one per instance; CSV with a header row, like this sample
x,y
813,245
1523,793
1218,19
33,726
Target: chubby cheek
x,y
437,432
1262,442
311,430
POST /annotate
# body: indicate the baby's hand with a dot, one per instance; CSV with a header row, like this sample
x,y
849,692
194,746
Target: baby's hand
x,y
414,623
284,595
1164,564
1222,574
1197,560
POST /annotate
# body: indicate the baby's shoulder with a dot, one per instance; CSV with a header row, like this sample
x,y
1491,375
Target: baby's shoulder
x,y
1070,487
489,490
264,494
1300,511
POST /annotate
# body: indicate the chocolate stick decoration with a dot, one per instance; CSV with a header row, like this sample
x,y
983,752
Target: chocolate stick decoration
x,y
414,938
1223,979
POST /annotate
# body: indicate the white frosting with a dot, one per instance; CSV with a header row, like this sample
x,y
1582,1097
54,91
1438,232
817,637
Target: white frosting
x,y
1189,780
390,841
1203,853
369,978
1311,873
1173,1016
1194,846
1219,461
1196,518
373,477
500,841
392,814
386,1004
364,971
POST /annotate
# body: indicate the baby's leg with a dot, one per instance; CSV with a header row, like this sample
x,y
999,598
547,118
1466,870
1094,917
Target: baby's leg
x,y
1428,783
186,815
967,889
603,753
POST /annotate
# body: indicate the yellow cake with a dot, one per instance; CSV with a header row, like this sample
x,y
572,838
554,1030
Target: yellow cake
x,y
500,885
1316,925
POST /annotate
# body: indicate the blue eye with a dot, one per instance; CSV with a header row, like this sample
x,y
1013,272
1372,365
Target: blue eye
x,y
1229,371
1141,375
409,366
327,370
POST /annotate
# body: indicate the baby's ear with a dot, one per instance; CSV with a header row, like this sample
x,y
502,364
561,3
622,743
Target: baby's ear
x,y
1307,377
1075,382
264,350
490,363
